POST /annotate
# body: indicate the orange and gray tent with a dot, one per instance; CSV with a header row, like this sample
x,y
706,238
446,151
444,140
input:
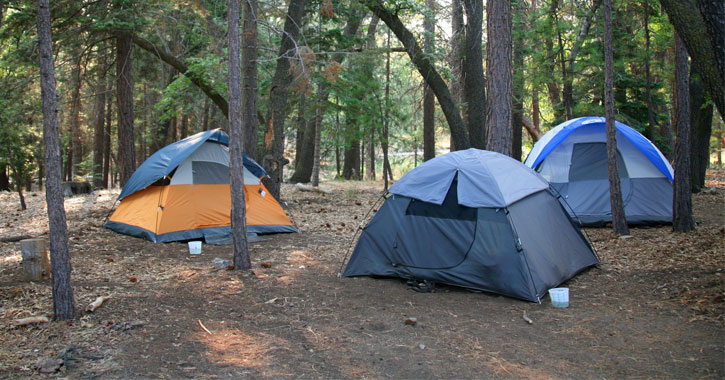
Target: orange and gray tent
x,y
182,192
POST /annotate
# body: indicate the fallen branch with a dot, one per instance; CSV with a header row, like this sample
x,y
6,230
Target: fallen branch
x,y
97,303
527,319
30,320
203,327
12,239
303,187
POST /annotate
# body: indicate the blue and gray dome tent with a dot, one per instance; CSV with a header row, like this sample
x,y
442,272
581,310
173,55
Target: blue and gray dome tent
x,y
475,219
573,158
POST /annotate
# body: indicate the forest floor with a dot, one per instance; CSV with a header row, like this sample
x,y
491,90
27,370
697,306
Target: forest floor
x,y
654,307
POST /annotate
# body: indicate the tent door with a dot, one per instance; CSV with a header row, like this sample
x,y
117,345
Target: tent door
x,y
434,237
589,166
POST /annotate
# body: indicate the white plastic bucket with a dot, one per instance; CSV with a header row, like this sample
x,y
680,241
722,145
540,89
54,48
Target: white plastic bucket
x,y
559,297
194,247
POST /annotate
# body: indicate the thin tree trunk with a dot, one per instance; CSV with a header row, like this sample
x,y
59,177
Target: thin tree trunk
x,y
76,147
4,178
236,144
184,130
98,129
370,146
429,150
301,127
498,78
387,172
107,147
552,86
124,97
318,134
63,303
337,139
619,220
651,132
205,116
16,178
682,220
250,122
701,122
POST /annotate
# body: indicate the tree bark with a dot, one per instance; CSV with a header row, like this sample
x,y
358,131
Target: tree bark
x,y
107,134
273,159
371,127
63,303
76,146
701,25
429,139
619,220
4,178
455,58
517,111
552,86
387,172
651,131
498,77
701,127
301,127
236,144
99,119
682,220
427,70
249,79
124,97
474,87
16,178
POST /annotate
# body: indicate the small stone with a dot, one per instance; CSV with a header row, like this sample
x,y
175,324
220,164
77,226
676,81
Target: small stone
x,y
411,321
421,346
49,365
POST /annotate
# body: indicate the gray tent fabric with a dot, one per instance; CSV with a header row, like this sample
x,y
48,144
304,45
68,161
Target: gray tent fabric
x,y
520,249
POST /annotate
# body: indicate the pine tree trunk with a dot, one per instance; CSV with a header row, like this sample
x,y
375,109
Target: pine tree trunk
x,y
517,112
429,142
301,127
124,97
619,220
273,159
76,147
98,128
250,122
651,132
236,143
701,122
4,178
682,220
474,85
458,35
498,77
387,172
316,149
63,303
107,135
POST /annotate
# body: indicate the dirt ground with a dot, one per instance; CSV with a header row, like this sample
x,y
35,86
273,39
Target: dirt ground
x,y
654,308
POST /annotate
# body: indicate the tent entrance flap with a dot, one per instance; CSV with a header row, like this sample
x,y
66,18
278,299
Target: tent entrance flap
x,y
589,162
448,229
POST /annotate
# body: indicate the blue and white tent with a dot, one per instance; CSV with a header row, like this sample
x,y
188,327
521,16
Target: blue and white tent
x,y
573,158
475,219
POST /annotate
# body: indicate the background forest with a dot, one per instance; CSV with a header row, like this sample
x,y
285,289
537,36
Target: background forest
x,y
329,72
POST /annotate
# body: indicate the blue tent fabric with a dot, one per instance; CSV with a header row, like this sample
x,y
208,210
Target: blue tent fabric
x,y
636,138
166,159
485,179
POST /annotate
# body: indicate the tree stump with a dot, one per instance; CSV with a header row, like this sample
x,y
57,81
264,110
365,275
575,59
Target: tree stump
x,y
36,266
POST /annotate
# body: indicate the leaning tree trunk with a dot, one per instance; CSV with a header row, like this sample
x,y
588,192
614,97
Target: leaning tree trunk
x,y
426,68
619,220
124,97
273,158
682,220
498,78
63,303
701,25
236,144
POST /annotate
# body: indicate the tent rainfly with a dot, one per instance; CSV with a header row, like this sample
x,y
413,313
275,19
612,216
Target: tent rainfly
x,y
475,219
182,192
573,157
